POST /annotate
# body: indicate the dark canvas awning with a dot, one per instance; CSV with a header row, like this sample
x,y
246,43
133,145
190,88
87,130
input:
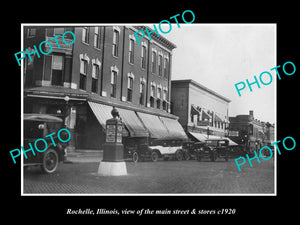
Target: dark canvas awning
x,y
194,110
205,115
133,123
175,129
154,125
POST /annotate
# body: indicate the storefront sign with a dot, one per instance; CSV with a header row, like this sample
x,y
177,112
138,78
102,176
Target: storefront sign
x,y
110,133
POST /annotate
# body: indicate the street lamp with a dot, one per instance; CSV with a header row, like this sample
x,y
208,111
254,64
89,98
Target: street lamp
x,y
66,98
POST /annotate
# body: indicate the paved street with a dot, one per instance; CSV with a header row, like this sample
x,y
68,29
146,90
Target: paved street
x,y
159,177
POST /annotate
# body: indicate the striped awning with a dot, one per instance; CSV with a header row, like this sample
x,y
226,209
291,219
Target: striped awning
x,y
133,123
154,125
175,129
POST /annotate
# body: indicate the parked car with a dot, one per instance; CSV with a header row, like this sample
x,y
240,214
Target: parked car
x,y
140,149
191,149
38,126
214,149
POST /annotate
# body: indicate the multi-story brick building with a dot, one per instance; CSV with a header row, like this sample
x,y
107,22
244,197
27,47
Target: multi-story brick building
x,y
104,67
250,132
200,110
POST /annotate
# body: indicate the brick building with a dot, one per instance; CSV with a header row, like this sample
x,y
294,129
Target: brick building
x,y
250,132
104,67
200,110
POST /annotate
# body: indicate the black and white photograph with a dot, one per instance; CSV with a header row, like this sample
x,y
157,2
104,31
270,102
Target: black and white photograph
x,y
152,113
149,113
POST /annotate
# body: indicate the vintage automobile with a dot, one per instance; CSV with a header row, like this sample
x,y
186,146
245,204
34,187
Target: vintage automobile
x,y
38,126
214,149
191,149
145,149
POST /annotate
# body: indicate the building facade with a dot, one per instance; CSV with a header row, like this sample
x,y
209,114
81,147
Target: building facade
x,y
104,67
250,132
200,110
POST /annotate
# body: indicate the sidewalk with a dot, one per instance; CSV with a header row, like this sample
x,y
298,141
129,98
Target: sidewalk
x,y
84,156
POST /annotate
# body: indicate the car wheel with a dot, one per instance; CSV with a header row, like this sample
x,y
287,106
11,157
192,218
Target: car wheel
x,y
187,156
213,157
135,157
179,155
154,156
50,161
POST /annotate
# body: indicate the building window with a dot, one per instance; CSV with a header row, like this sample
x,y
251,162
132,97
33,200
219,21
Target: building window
x,y
165,99
85,35
59,30
83,74
97,37
31,32
131,51
95,76
166,75
153,62
142,93
115,46
158,100
113,84
152,94
57,70
129,89
143,59
160,62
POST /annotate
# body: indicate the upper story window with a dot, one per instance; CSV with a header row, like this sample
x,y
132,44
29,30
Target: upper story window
x,y
59,30
131,50
31,32
143,57
83,74
57,70
158,100
129,89
85,35
154,61
160,62
95,76
97,38
115,46
113,83
166,66
142,93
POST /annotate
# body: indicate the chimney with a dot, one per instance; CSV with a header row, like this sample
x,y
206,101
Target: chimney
x,y
251,113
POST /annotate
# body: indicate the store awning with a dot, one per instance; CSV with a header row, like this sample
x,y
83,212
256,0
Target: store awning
x,y
203,137
199,137
175,129
154,125
205,115
194,110
103,113
217,118
133,123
